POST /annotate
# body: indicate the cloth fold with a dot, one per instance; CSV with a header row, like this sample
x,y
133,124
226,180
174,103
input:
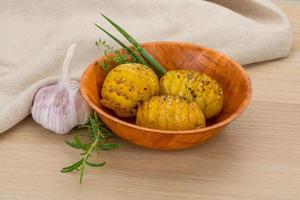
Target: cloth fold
x,y
35,36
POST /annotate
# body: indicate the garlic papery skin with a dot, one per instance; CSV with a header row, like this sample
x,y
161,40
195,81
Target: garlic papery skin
x,y
60,107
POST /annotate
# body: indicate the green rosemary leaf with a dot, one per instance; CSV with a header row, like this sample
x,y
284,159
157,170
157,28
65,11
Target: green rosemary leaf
x,y
73,144
67,170
86,146
108,133
109,146
79,143
95,126
95,164
72,167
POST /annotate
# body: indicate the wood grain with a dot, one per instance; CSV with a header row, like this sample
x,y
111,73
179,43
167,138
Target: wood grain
x,y
235,82
256,157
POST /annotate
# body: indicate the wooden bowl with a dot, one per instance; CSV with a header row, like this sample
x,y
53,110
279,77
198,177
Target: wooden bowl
x,y
176,55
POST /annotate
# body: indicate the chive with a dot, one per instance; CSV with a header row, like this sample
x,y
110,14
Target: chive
x,y
130,51
139,48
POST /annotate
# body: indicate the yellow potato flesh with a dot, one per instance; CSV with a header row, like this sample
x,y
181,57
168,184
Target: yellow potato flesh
x,y
170,113
194,86
126,86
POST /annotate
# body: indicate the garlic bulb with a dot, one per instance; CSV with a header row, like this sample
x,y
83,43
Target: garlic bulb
x,y
60,107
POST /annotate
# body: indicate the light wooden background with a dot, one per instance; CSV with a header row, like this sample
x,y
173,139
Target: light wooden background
x,y
257,156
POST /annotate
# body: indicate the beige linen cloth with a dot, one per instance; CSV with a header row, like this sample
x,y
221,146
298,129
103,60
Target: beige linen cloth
x,y
34,36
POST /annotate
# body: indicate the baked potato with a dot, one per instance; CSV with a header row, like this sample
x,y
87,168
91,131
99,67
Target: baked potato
x,y
170,113
126,86
194,86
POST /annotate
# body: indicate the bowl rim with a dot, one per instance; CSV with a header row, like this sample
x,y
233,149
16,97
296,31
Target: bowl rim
x,y
244,104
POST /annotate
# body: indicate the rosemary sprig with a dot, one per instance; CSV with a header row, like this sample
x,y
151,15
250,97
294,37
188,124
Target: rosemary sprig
x,y
98,135
160,69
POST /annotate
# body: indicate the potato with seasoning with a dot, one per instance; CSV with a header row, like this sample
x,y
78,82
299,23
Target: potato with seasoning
x,y
170,113
194,86
126,86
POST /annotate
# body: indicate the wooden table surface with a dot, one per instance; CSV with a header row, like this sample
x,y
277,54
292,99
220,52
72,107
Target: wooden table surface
x,y
256,157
